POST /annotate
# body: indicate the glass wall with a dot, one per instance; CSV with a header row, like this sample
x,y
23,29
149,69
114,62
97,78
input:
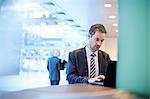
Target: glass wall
x,y
30,31
45,27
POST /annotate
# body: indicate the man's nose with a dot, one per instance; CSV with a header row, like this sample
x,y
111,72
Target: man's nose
x,y
99,43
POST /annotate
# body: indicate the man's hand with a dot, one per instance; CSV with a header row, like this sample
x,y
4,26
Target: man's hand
x,y
98,78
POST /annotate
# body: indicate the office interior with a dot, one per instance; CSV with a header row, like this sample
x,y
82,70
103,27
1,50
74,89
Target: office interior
x,y
32,29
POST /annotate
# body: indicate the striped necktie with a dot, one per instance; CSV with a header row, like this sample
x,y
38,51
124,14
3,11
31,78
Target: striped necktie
x,y
92,66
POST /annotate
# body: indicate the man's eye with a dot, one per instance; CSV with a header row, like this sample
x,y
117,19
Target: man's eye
x,y
97,39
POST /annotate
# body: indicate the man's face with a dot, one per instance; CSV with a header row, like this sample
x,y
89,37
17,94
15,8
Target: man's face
x,y
95,42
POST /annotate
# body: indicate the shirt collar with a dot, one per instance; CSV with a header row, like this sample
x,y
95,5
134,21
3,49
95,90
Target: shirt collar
x,y
89,52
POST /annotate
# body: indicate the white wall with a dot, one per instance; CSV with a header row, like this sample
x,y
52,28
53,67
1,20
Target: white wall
x,y
111,47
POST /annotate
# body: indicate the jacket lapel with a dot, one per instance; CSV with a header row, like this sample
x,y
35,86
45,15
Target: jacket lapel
x,y
85,62
100,59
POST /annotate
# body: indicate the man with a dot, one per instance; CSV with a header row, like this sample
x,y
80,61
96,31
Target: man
x,y
53,65
79,68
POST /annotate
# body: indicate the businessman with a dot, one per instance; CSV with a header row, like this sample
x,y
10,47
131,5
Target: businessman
x,y
53,64
89,64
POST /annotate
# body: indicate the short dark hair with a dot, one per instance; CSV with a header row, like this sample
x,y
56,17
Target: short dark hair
x,y
97,27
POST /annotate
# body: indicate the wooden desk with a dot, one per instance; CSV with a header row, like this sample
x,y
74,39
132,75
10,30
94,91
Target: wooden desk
x,y
72,91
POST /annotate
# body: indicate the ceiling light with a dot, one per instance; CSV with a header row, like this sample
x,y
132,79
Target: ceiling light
x,y
107,5
116,30
115,24
112,17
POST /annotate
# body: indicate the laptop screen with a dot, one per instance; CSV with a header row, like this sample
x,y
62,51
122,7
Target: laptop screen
x,y
110,78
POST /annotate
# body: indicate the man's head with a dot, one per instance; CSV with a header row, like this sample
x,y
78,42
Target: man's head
x,y
96,36
57,52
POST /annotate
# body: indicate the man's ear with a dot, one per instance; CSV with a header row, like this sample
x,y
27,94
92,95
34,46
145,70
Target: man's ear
x,y
89,35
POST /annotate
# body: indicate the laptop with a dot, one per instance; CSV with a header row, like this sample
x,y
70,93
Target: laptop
x,y
110,76
100,83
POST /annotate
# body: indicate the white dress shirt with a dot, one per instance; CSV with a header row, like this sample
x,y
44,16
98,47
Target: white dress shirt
x,y
88,53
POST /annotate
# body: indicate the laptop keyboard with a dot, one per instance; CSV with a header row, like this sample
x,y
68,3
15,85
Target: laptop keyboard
x,y
97,83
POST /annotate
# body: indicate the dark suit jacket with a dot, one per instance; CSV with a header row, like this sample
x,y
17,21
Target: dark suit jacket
x,y
53,68
77,67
